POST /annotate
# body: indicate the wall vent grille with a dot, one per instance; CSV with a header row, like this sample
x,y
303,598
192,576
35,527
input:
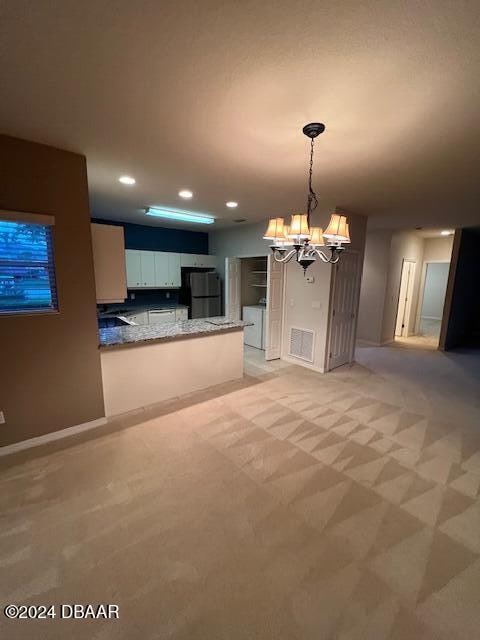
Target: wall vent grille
x,y
302,343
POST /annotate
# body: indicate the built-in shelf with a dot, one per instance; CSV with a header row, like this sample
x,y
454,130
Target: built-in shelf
x,y
258,272
258,285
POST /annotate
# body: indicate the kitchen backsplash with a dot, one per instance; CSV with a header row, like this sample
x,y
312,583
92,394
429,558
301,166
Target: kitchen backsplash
x,y
145,298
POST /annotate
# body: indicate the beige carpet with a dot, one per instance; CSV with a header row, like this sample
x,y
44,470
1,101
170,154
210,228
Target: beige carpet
x,y
289,506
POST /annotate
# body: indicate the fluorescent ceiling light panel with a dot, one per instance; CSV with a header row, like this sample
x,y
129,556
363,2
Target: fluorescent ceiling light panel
x,y
169,213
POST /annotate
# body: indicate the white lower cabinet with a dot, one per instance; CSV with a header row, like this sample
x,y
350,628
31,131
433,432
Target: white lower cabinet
x,y
161,316
181,314
138,318
254,334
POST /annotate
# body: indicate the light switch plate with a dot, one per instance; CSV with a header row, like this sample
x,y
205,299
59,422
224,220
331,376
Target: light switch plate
x,y
316,304
2,417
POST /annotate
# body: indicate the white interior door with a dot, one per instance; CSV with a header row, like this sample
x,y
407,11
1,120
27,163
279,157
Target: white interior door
x,y
407,281
232,288
346,280
274,313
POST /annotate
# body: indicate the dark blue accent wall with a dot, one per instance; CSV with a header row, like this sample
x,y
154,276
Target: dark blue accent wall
x,y
140,236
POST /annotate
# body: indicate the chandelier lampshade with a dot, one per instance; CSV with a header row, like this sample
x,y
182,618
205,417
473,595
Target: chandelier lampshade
x,y
299,226
337,229
316,237
274,230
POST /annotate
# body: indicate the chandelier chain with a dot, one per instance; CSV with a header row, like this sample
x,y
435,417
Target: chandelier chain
x,y
312,201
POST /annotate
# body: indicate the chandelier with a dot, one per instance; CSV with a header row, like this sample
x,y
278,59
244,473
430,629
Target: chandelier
x,y
299,239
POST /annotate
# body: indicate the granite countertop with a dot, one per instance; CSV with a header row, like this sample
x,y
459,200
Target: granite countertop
x,y
127,310
140,334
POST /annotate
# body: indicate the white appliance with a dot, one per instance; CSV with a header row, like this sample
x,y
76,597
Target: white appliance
x,y
254,335
160,316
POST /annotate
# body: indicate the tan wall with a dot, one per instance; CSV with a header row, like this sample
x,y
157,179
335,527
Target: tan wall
x,y
374,282
50,370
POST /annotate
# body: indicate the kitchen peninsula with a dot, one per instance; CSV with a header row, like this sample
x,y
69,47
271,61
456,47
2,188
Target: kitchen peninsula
x,y
146,364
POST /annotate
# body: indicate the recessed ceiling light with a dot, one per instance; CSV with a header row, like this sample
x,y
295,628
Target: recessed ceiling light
x,y
231,204
126,180
446,232
169,213
185,193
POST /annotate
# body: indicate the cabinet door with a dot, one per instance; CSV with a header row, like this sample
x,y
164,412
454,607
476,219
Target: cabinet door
x,y
187,259
109,262
134,268
252,335
161,316
181,314
138,318
209,262
174,273
161,268
147,262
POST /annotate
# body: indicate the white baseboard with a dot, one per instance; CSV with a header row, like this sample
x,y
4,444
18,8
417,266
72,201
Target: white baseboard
x,y
51,437
302,363
369,343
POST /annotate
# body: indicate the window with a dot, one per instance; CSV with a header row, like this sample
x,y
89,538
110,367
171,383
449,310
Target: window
x,y
27,276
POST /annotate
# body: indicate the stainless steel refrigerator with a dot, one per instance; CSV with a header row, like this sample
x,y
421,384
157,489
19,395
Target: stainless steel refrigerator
x,y
205,294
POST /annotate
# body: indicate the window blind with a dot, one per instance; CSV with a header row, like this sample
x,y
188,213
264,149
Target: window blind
x,y
27,274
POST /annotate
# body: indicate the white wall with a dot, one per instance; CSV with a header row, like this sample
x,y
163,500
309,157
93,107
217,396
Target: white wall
x,y
374,282
237,242
307,305
438,249
434,292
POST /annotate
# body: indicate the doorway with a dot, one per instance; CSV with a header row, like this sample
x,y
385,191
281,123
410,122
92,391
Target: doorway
x,y
254,292
345,293
433,299
405,299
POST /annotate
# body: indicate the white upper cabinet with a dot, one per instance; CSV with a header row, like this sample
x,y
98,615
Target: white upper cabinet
x,y
147,261
174,271
134,268
153,269
198,261
161,269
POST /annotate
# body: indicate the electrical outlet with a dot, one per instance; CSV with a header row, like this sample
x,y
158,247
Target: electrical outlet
x,y
2,418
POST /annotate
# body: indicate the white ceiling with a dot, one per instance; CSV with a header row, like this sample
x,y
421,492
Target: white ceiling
x,y
212,95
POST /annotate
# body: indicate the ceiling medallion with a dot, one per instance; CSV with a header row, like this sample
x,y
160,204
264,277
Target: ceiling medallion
x,y
299,239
